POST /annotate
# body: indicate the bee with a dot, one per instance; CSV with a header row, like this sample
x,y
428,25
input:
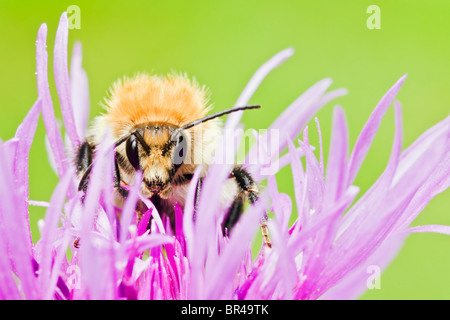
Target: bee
x,y
161,127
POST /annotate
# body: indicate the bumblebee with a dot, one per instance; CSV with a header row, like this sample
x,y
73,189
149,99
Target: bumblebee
x,y
162,128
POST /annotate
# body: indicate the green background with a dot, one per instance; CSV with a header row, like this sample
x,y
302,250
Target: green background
x,y
222,43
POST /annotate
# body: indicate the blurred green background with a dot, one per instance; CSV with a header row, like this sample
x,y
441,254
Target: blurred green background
x,y
222,43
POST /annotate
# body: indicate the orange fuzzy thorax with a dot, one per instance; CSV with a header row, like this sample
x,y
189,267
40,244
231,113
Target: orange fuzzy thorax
x,y
145,99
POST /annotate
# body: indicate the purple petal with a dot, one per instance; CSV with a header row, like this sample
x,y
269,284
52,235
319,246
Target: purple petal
x,y
146,242
255,81
9,289
302,109
298,239
281,204
178,221
369,131
38,203
299,180
363,251
25,134
314,178
286,159
437,182
14,229
188,224
367,223
225,269
293,119
208,214
50,157
62,79
320,143
130,207
97,260
418,162
96,181
54,135
143,223
370,202
428,173
324,239
49,235
108,195
9,149
355,283
286,264
436,228
79,89
60,263
155,214
337,157
426,151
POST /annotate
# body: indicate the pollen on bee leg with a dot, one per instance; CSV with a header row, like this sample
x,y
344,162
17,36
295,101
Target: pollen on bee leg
x,y
141,208
139,215
76,243
265,233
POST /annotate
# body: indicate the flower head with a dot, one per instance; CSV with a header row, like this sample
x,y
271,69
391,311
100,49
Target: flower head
x,y
324,253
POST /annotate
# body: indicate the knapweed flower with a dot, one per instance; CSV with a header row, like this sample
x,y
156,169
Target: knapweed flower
x,y
324,253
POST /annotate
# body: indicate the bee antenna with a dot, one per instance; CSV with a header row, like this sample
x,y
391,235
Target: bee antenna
x,y
138,137
122,140
215,115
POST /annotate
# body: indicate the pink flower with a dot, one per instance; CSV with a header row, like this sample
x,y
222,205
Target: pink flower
x,y
325,253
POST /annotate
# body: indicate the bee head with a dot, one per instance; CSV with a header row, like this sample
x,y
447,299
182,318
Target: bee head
x,y
156,149
159,150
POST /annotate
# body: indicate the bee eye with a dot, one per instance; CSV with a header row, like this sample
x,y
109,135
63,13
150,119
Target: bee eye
x,y
179,152
133,152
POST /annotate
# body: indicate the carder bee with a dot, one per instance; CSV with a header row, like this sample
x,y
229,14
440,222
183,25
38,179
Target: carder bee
x,y
160,126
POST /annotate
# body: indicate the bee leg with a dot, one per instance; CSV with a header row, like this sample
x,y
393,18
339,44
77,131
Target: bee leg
x,y
141,208
197,197
234,213
84,158
84,163
122,191
248,189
